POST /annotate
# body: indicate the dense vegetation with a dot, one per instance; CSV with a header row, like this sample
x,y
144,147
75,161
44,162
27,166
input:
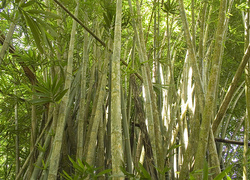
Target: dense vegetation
x,y
142,89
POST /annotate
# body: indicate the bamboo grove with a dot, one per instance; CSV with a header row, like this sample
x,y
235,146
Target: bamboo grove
x,y
99,89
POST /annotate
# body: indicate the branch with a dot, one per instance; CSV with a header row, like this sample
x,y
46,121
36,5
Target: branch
x,y
230,141
80,22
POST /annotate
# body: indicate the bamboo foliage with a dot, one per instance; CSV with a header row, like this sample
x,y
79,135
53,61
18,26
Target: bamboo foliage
x,y
122,89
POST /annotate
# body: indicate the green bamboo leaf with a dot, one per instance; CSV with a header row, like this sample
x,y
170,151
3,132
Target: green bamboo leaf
x,y
48,40
48,83
75,165
40,101
43,83
54,87
111,14
106,19
191,177
129,65
144,171
3,5
44,165
42,89
66,175
174,146
42,95
41,148
6,16
173,11
104,172
46,14
166,169
27,4
144,62
223,173
47,26
81,164
59,96
43,35
34,30
89,167
56,84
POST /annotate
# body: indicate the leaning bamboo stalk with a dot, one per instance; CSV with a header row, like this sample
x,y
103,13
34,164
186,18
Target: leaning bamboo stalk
x,y
246,128
94,90
17,136
129,98
100,158
25,164
88,101
57,144
227,120
239,94
33,135
213,155
108,135
96,116
126,134
247,92
81,119
226,101
38,166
